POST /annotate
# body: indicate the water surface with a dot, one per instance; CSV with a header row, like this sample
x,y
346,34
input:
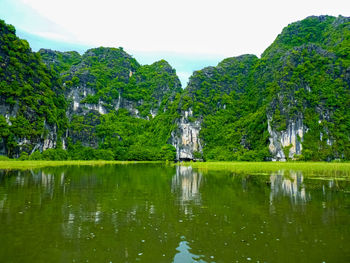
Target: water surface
x,y
158,213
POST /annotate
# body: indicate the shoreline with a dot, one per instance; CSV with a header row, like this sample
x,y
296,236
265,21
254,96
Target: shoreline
x,y
240,167
311,168
23,165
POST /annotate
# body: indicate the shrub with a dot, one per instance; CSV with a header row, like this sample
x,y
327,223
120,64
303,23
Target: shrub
x,y
23,156
4,158
167,153
35,156
103,154
55,155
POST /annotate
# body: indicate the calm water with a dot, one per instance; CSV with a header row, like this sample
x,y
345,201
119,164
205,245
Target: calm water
x,y
155,213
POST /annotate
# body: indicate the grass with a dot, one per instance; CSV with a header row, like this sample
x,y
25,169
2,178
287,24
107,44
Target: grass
x,y
312,169
307,168
23,165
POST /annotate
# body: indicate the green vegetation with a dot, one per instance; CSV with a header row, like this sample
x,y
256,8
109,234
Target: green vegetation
x,y
112,77
301,77
311,169
154,84
31,95
109,76
25,165
105,105
232,108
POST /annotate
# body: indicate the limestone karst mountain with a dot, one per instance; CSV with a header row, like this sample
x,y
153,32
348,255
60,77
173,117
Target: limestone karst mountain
x,y
292,103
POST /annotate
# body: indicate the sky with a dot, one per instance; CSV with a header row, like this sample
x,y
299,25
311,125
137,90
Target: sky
x,y
189,34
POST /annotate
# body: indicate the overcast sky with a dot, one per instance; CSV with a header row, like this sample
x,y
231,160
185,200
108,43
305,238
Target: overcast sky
x,y
190,34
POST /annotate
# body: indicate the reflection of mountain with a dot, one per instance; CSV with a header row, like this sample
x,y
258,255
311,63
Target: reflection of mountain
x,y
291,185
186,182
89,213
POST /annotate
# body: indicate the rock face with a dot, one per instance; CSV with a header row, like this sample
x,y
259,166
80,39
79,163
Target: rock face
x,y
77,95
47,140
43,142
8,111
186,138
290,139
105,79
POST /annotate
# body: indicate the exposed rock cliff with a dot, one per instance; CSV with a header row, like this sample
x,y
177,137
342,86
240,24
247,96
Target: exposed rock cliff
x,y
185,138
288,141
106,79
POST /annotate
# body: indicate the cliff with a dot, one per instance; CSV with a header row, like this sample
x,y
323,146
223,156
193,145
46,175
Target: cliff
x,y
104,80
292,103
32,102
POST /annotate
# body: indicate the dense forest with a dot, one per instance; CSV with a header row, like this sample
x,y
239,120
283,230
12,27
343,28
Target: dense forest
x,y
290,104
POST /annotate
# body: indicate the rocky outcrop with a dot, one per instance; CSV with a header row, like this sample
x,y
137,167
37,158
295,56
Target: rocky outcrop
x,y
77,95
8,111
47,140
78,104
186,139
286,141
42,142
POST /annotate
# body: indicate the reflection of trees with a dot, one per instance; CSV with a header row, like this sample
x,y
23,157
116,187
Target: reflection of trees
x,y
140,213
187,182
291,186
126,213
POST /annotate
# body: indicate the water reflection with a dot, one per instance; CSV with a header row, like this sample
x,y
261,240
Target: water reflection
x,y
171,214
186,182
291,186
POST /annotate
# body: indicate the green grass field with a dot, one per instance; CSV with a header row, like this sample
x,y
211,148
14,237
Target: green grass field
x,y
315,169
14,164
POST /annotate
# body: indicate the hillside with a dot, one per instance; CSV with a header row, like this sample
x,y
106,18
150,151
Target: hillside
x,y
292,103
32,102
106,101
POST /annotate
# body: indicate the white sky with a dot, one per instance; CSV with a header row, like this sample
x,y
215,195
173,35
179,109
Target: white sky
x,y
221,28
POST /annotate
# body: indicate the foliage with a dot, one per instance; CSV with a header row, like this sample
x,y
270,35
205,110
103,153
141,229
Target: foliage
x,y
310,169
303,77
234,125
4,158
23,156
31,92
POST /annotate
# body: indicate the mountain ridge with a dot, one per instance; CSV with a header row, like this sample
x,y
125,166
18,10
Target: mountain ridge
x,y
289,104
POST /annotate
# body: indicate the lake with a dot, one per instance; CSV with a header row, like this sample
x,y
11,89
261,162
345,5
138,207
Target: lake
x,y
160,213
